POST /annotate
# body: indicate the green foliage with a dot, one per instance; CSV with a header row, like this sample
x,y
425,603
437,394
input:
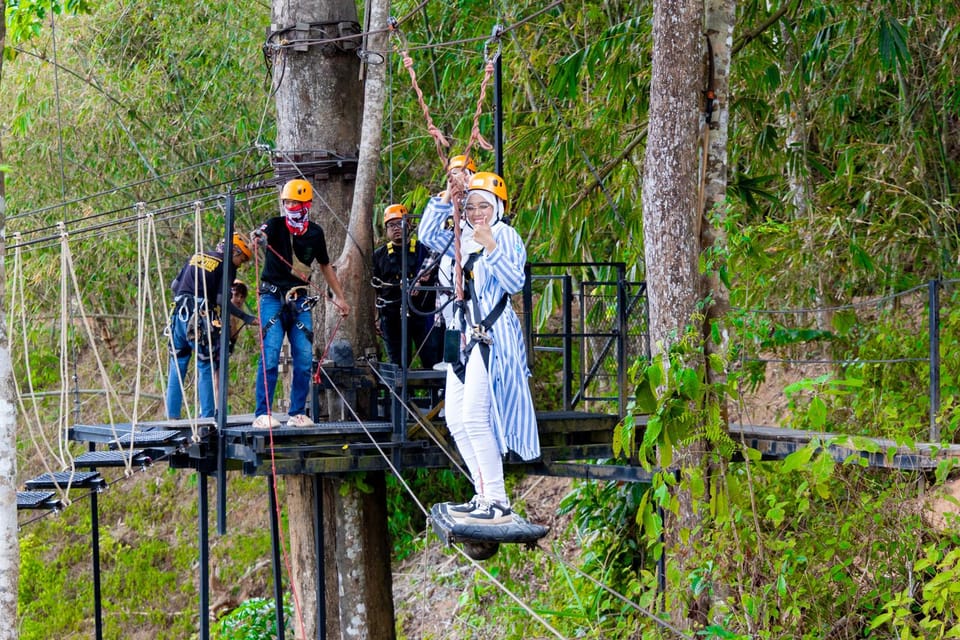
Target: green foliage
x,y
853,104
935,611
682,405
614,548
406,521
255,619
148,540
26,18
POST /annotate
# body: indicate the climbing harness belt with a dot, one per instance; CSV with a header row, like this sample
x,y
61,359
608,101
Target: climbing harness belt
x,y
295,301
480,331
202,324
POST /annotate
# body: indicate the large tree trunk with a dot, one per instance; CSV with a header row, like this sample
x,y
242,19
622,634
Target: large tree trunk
x,y
719,19
671,224
319,97
9,541
363,548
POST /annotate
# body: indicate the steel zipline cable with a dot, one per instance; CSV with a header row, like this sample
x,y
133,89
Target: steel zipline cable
x,y
131,185
178,209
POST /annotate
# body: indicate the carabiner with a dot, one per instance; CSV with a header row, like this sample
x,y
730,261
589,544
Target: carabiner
x,y
494,37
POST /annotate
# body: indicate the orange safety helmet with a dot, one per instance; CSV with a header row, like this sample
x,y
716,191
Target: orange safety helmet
x,y
492,183
299,190
462,162
240,243
394,212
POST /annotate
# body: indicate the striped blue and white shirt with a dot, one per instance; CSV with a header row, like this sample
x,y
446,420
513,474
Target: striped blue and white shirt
x,y
495,274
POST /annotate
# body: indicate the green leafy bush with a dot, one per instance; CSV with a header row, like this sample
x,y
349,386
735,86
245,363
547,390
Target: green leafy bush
x,y
255,619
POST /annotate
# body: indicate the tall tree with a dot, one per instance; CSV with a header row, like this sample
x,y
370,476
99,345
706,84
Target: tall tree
x,y
9,547
671,225
719,19
362,541
319,105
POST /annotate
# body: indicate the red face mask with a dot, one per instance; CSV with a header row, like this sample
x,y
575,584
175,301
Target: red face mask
x,y
297,207
297,216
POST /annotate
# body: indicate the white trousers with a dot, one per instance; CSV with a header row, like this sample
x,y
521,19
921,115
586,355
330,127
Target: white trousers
x,y
467,409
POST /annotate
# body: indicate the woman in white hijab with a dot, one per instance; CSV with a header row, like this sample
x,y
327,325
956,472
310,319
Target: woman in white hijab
x,y
489,409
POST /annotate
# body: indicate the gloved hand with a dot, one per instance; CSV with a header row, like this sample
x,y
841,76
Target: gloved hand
x,y
258,237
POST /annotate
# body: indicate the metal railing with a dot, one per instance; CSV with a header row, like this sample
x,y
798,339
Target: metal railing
x,y
592,326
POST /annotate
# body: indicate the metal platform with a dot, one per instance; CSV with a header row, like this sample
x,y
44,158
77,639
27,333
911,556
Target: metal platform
x,y
775,443
115,458
336,447
38,500
62,480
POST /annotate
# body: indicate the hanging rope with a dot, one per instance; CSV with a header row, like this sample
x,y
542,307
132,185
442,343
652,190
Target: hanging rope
x,y
488,70
35,425
439,140
458,190
65,459
159,324
143,258
111,394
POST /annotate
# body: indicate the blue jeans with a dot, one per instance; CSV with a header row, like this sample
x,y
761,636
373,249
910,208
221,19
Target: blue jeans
x,y
181,349
279,319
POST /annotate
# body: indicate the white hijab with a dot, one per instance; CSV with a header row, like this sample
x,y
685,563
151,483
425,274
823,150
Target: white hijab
x,y
467,244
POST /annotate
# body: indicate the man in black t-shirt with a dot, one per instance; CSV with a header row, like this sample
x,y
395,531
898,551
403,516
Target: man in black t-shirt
x,y
293,244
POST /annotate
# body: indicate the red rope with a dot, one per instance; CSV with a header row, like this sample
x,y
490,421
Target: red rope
x,y
273,458
457,191
475,135
326,349
438,137
456,199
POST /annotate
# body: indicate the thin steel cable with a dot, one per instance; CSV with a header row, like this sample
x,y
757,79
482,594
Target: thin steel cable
x,y
167,213
56,93
129,185
563,122
652,616
87,218
407,488
420,421
835,362
843,307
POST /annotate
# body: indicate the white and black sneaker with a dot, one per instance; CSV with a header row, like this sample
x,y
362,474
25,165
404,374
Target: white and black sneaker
x,y
456,510
484,512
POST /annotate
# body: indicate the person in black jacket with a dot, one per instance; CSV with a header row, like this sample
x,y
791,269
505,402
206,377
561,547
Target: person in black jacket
x,y
421,269
195,321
